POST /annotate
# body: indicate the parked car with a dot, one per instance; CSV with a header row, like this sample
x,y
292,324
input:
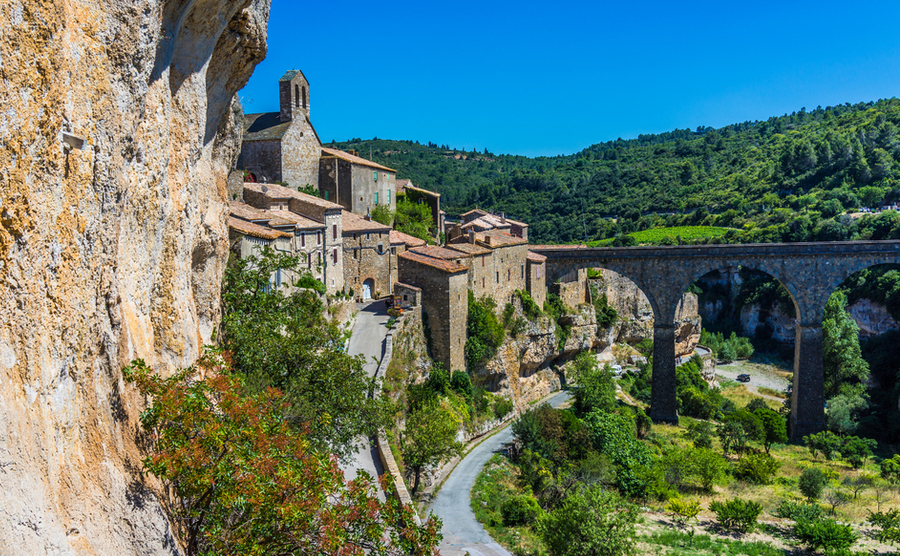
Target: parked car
x,y
743,377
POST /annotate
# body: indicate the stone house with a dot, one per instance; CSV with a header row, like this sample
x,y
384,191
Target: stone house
x,y
328,247
481,221
536,277
367,257
283,146
499,273
444,285
422,196
357,184
247,239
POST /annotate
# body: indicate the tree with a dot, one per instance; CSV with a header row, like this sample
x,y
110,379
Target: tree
x,y
811,483
859,483
845,369
709,467
245,481
826,442
284,340
856,451
414,219
383,215
890,469
596,388
590,522
836,498
774,426
429,438
888,524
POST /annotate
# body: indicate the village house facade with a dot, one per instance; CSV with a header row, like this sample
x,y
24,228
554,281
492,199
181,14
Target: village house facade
x,y
481,221
357,184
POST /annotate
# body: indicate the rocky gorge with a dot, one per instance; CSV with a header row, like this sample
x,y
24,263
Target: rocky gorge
x,y
118,137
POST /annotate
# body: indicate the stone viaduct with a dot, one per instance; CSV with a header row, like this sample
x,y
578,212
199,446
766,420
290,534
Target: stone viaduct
x,y
809,271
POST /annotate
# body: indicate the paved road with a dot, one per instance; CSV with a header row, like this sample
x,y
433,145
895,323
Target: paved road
x,y
462,532
367,339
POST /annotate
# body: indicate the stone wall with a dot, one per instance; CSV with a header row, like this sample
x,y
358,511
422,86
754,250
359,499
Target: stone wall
x,y
536,282
300,152
262,159
505,273
110,249
368,256
572,289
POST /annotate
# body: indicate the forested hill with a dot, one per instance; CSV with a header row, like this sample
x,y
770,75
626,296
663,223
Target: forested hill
x,y
789,178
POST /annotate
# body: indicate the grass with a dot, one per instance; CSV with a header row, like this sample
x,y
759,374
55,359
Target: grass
x,y
678,543
739,394
772,392
687,233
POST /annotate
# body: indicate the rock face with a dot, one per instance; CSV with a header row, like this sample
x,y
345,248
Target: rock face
x,y
525,367
112,247
873,318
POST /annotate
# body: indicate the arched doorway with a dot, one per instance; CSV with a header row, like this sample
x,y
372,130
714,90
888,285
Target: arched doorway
x,y
368,288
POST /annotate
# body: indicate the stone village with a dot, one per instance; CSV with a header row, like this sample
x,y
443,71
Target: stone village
x,y
338,242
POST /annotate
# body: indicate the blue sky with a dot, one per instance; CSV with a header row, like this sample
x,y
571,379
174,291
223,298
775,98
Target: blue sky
x,y
553,78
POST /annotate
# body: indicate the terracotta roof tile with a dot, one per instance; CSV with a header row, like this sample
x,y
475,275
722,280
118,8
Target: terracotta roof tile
x,y
354,159
400,237
275,191
535,258
469,248
409,185
253,214
436,252
355,223
408,286
301,222
440,264
254,230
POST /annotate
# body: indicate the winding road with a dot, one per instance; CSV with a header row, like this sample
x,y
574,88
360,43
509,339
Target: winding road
x,y
462,532
367,339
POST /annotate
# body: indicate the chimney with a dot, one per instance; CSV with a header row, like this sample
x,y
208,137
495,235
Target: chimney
x,y
503,218
472,237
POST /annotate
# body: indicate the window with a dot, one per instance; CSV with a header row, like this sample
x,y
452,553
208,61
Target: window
x,y
334,256
318,238
498,276
482,260
380,249
302,240
376,178
326,194
508,274
393,250
523,272
296,96
334,231
482,281
376,197
367,235
389,196
309,261
320,257
303,95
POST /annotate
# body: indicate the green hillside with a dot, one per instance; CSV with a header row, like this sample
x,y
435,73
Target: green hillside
x,y
789,178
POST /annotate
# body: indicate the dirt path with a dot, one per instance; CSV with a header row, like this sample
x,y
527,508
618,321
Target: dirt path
x,y
767,376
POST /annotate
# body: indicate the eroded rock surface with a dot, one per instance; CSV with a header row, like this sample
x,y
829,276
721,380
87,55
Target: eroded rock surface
x,y
112,247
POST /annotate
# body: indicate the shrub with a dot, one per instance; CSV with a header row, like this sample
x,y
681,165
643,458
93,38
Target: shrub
x,y
592,522
502,407
812,481
737,514
519,510
826,442
757,468
529,306
888,524
824,533
460,382
856,451
796,511
701,433
682,510
890,469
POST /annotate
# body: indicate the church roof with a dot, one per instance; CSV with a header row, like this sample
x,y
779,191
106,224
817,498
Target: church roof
x,y
264,127
354,159
290,74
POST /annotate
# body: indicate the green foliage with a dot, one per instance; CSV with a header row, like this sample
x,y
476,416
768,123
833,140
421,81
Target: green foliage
x,y
774,427
695,397
796,511
757,468
606,314
286,341
247,482
888,525
414,219
845,370
613,435
738,429
555,434
727,349
890,469
737,514
590,522
812,482
683,510
484,333
529,306
671,235
429,438
856,451
824,533
825,442
502,407
700,433
596,387
519,510
383,215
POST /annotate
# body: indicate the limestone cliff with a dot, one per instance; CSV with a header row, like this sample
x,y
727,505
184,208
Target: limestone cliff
x,y
116,142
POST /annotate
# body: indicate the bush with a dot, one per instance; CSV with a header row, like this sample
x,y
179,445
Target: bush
x,y
682,510
591,521
529,306
519,510
856,451
737,514
502,407
796,511
888,524
812,482
824,533
757,468
826,442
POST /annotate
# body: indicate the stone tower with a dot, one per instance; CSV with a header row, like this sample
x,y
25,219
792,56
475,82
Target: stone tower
x,y
293,92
